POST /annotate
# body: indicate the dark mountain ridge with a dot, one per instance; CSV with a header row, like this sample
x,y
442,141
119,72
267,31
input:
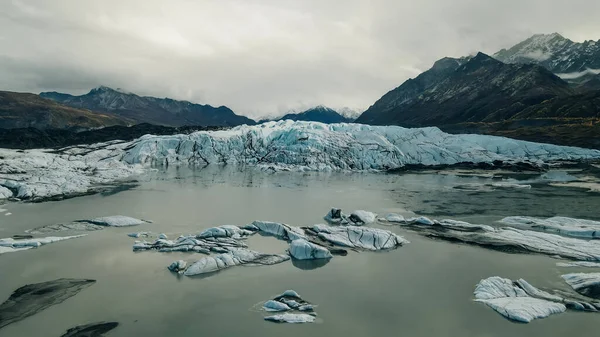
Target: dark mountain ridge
x,y
146,109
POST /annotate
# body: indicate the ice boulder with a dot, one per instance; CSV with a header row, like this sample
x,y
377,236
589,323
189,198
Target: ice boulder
x,y
394,218
5,193
361,217
336,217
177,266
116,221
303,250
280,230
272,305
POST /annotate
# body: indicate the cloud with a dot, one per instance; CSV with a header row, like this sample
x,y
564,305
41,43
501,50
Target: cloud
x,y
574,75
538,55
264,56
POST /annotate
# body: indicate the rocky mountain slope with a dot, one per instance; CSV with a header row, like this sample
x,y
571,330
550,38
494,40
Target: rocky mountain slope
x,y
477,89
145,109
572,61
318,114
23,110
483,95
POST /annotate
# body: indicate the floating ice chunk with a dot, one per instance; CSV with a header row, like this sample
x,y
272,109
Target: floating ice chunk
x,y
91,330
237,256
116,221
272,305
225,231
11,245
139,234
291,318
78,226
336,217
513,302
587,284
361,217
177,266
579,264
395,218
282,231
578,228
303,250
513,239
359,237
163,236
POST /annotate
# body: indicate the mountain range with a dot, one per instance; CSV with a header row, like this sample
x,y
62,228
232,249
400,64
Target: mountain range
x,y
516,93
23,110
319,113
145,109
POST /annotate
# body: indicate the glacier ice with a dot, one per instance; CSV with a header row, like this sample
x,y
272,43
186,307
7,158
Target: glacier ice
x,y
579,264
511,300
89,225
10,245
303,250
284,145
293,307
358,237
578,228
587,284
511,239
235,257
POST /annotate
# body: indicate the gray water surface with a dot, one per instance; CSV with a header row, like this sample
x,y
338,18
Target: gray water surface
x,y
422,289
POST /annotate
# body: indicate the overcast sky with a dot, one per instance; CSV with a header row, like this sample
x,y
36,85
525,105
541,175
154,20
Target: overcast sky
x,y
262,56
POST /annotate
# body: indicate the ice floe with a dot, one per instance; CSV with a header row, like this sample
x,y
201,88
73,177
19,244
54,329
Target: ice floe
x,y
280,230
291,318
579,264
394,218
89,225
293,306
303,250
587,284
511,239
577,228
520,301
10,245
285,145
235,257
358,237
511,300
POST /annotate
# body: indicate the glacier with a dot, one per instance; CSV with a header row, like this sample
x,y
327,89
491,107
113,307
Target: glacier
x,y
285,145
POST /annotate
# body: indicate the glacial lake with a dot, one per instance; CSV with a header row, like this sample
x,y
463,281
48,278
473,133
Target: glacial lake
x,y
424,288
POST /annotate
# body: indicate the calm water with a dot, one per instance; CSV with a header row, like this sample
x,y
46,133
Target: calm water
x,y
422,289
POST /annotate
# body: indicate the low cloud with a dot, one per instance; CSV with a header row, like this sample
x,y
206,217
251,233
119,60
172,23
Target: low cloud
x,y
264,56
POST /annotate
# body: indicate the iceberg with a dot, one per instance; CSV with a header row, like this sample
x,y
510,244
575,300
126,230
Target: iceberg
x,y
10,245
587,284
361,217
281,231
511,300
5,193
511,239
235,257
45,174
177,266
291,303
358,237
116,221
571,227
89,225
303,250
